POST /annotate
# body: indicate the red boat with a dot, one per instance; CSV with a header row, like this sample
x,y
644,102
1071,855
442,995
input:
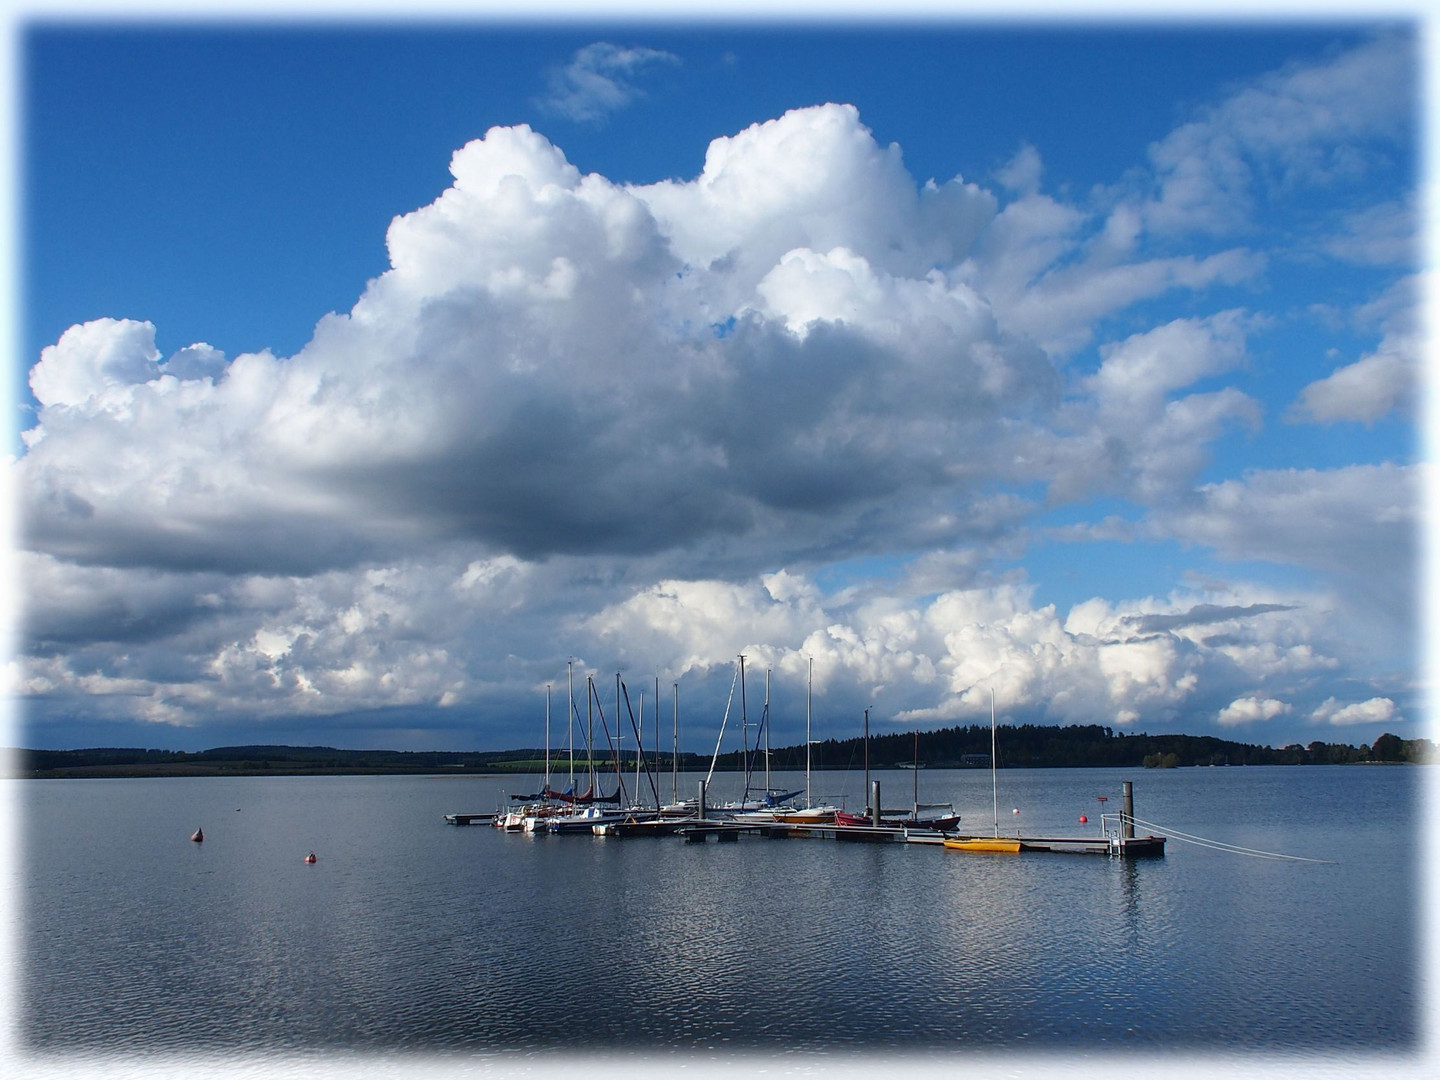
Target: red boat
x,y
942,823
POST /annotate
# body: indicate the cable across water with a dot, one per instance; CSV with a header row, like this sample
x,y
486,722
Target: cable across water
x,y
1220,845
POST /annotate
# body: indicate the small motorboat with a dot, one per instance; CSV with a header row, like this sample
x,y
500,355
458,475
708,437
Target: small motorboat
x,y
198,836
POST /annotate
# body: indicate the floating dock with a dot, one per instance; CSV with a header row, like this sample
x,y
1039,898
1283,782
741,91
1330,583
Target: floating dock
x,y
696,831
469,819
1117,836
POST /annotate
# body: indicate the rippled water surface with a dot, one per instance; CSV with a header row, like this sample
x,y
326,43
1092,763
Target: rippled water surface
x,y
408,933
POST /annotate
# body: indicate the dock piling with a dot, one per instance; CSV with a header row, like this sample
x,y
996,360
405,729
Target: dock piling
x,y
1127,811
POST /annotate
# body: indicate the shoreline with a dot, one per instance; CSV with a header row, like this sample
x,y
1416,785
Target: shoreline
x,y
140,772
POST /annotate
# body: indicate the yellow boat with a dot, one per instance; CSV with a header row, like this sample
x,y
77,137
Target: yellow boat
x,y
983,843
988,843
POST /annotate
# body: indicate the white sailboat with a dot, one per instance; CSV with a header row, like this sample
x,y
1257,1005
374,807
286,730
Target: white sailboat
x,y
788,812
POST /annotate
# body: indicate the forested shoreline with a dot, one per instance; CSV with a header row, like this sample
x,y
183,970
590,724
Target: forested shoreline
x,y
1020,746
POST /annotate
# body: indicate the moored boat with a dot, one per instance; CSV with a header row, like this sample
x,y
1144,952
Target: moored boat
x,y
982,843
933,823
583,820
1007,844
787,815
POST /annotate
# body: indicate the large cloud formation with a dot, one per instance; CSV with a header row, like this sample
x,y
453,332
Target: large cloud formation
x,y
641,425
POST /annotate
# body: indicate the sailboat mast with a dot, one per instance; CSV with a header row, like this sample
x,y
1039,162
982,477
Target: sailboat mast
x,y
767,730
547,735
867,763
809,686
639,743
744,732
675,748
590,729
657,732
915,770
994,786
570,719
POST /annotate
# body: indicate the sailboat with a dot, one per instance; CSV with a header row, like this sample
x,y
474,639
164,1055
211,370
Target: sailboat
x,y
541,806
772,804
999,843
780,806
585,810
940,817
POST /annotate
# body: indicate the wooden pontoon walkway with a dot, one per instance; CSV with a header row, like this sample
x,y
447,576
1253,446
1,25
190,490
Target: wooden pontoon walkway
x,y
722,830
469,819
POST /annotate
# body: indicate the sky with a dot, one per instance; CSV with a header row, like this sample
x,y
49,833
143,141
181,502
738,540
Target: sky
x,y
373,378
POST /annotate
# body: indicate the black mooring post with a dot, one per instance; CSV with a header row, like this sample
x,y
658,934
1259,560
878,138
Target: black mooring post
x,y
1127,811
700,802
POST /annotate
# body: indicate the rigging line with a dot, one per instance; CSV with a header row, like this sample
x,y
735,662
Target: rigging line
x,y
635,728
728,701
749,768
610,742
1220,845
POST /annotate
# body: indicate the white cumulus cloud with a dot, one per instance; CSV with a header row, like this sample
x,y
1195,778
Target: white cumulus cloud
x,y
1250,710
1377,710
1380,382
662,424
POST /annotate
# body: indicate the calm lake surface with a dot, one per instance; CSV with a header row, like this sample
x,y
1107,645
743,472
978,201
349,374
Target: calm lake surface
x,y
411,934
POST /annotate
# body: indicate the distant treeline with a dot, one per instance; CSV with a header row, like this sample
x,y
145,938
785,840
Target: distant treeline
x,y
1087,746
1023,746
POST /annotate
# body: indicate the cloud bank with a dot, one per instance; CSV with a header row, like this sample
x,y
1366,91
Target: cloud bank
x,y
802,405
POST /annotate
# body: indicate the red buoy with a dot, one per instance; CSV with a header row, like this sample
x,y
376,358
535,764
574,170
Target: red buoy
x,y
310,857
1083,819
198,836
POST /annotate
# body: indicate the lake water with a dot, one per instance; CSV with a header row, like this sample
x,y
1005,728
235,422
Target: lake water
x,y
409,934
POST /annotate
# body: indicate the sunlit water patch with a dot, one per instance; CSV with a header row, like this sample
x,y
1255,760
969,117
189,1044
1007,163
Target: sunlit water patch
x,y
410,934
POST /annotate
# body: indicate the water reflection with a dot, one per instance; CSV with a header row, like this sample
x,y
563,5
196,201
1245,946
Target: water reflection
x,y
412,933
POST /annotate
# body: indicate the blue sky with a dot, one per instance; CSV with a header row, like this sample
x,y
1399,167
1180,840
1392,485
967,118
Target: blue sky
x,y
1074,361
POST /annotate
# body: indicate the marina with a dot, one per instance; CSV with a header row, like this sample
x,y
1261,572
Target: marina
x,y
1117,835
773,814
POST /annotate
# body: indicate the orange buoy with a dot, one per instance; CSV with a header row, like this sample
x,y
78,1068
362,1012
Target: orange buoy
x,y
198,836
310,857
1083,819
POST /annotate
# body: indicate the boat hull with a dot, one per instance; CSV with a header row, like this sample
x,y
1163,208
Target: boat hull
x,y
983,843
944,823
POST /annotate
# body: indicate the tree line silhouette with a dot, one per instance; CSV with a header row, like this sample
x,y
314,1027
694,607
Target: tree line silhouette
x,y
1017,746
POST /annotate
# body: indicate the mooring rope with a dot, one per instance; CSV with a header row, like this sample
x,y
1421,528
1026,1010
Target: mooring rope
x,y
1220,845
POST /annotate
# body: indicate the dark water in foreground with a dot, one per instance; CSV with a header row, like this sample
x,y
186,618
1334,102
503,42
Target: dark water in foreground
x,y
409,934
